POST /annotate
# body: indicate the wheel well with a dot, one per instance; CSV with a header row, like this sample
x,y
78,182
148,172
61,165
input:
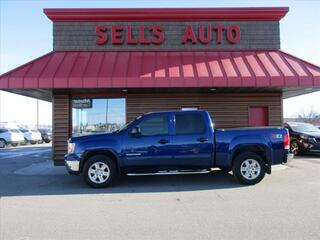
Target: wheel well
x,y
254,149
100,152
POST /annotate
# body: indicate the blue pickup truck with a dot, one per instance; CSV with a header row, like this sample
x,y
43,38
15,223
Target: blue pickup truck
x,y
177,142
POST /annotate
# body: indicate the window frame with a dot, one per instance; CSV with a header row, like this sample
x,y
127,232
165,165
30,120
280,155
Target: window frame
x,y
196,113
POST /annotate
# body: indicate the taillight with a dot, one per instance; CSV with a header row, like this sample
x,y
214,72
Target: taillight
x,y
286,141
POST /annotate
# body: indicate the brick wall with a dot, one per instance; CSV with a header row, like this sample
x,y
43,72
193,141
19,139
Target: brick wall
x,y
81,36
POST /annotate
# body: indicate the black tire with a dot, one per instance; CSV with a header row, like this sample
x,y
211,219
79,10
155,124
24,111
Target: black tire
x,y
251,176
225,169
33,142
14,144
47,141
3,143
111,168
295,148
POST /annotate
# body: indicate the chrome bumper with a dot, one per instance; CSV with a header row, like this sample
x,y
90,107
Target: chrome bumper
x,y
73,166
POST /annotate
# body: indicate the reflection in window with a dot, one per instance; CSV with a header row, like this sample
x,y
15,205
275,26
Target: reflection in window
x,y
154,126
189,123
91,116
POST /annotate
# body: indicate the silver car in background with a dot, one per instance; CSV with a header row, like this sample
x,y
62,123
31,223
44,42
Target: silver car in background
x,y
11,136
32,136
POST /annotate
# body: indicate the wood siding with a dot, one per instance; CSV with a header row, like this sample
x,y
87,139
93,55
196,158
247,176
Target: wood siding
x,y
60,123
227,110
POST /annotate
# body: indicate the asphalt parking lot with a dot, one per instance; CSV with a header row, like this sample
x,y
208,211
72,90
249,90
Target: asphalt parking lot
x,y
39,201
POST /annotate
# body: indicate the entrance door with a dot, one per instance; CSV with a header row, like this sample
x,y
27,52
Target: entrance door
x,y
258,116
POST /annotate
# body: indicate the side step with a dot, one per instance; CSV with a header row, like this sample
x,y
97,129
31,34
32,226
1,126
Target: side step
x,y
201,171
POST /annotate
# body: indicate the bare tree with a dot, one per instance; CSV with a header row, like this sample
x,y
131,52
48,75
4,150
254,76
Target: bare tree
x,y
308,115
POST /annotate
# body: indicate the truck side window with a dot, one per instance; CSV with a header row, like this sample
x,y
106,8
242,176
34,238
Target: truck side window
x,y
157,125
190,123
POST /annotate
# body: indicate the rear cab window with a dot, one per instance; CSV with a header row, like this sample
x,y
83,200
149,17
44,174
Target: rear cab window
x,y
189,123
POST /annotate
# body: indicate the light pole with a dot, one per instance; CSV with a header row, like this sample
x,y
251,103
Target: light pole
x,y
37,113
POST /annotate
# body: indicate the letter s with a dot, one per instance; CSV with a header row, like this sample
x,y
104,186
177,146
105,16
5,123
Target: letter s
x,y
158,34
101,32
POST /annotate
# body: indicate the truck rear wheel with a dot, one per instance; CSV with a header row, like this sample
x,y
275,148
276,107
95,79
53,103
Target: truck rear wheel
x,y
99,171
249,168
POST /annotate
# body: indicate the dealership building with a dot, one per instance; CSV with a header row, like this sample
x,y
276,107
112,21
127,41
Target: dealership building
x,y
110,65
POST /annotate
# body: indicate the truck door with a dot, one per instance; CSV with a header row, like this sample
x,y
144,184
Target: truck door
x,y
192,141
150,148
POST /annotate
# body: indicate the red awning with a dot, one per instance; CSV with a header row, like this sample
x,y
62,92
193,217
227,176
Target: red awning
x,y
84,69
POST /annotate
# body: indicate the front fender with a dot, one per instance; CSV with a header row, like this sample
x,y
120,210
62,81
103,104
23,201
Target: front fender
x,y
90,147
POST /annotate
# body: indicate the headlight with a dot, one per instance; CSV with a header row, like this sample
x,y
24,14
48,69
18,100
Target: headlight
x,y
304,137
71,147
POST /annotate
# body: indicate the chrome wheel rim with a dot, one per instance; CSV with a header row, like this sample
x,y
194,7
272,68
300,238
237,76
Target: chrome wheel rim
x,y
294,148
99,172
250,169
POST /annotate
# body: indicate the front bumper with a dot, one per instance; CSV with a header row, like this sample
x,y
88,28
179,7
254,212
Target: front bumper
x,y
309,145
16,142
72,164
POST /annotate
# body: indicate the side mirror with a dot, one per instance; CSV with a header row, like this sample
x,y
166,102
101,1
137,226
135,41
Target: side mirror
x,y
136,132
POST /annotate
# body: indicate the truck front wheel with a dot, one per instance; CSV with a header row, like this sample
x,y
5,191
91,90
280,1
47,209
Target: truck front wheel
x,y
249,168
99,171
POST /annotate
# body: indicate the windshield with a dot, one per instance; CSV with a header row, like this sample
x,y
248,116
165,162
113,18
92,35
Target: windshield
x,y
303,127
14,130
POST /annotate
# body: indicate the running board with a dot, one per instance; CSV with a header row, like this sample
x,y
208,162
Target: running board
x,y
170,173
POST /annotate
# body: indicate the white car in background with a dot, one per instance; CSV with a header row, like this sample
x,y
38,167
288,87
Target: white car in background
x,y
10,136
32,136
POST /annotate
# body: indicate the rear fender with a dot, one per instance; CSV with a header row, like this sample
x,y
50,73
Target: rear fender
x,y
254,143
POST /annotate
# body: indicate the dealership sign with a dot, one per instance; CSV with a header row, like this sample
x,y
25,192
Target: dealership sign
x,y
201,34
82,103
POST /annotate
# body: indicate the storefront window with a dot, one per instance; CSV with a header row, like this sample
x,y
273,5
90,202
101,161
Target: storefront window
x,y
91,116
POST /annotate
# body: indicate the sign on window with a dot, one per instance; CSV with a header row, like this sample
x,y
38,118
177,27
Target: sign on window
x,y
82,103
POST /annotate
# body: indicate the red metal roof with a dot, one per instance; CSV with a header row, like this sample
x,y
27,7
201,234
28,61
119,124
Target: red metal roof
x,y
166,14
83,69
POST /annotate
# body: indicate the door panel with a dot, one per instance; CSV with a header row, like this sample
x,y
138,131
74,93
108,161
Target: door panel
x,y
147,152
258,116
151,149
192,142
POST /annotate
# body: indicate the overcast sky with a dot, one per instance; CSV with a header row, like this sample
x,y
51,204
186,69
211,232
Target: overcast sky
x,y
26,33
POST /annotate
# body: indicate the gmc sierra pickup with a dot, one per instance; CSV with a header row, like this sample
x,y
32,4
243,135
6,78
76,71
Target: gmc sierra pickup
x,y
177,142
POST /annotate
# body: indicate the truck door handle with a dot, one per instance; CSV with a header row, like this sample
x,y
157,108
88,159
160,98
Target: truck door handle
x,y
163,141
202,139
